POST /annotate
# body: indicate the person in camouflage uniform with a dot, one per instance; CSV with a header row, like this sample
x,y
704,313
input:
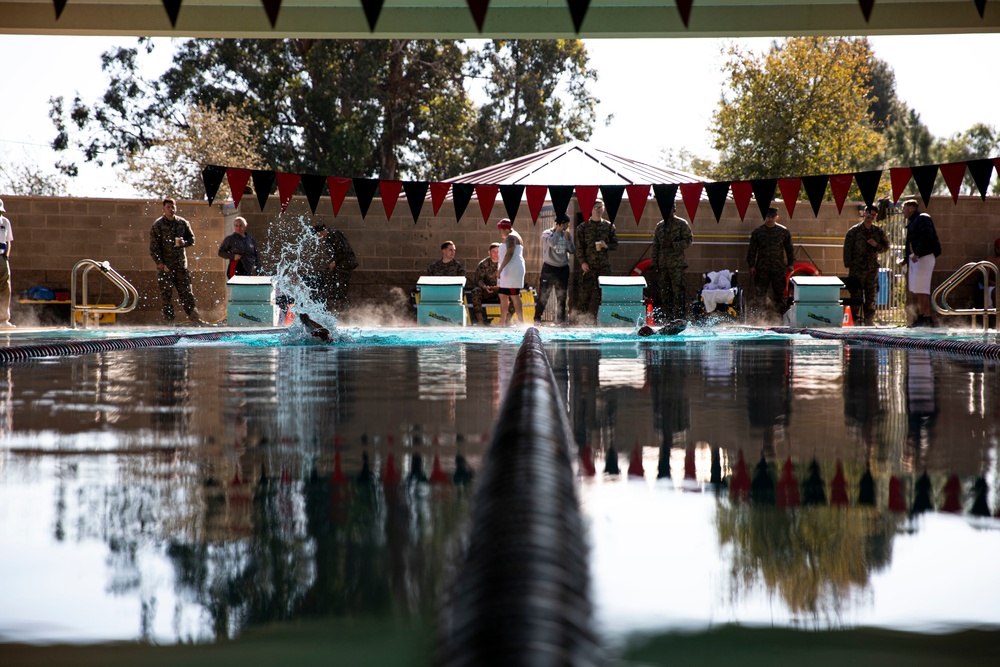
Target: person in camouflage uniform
x,y
340,261
671,239
484,285
447,265
863,244
168,237
770,257
594,238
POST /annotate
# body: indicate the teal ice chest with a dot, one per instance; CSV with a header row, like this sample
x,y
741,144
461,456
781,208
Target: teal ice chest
x,y
251,289
807,314
251,302
441,302
441,289
442,314
622,289
621,314
817,289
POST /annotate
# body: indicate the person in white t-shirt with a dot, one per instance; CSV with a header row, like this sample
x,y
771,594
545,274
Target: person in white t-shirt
x,y
6,236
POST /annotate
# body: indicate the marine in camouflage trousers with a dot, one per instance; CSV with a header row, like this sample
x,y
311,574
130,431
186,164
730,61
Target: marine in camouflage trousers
x,y
673,295
478,296
866,287
179,278
773,281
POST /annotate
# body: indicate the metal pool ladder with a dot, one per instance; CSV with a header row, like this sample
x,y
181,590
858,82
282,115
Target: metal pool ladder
x,y
130,297
939,299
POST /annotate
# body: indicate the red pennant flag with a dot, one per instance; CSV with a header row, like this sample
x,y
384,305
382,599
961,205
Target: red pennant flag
x,y
691,194
478,9
788,486
840,184
638,195
237,179
586,195
389,192
438,192
896,501
952,496
953,174
900,177
684,7
789,189
438,475
635,468
838,487
286,187
487,196
536,197
742,191
338,186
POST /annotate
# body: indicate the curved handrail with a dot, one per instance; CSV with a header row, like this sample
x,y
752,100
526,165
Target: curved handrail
x,y
944,290
130,296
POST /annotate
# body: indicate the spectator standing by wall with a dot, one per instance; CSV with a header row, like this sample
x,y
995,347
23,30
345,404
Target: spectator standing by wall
x,y
771,257
554,276
671,239
241,251
595,239
863,243
340,264
922,248
169,236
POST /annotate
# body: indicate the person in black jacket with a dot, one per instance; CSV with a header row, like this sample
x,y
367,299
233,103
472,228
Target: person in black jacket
x,y
922,249
241,251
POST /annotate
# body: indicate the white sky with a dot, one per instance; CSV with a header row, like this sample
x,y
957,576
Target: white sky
x,y
662,93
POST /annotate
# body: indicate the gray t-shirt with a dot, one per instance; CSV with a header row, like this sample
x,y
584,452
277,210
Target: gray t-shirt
x,y
555,245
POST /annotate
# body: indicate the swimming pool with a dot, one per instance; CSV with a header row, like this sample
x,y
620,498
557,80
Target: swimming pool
x,y
194,491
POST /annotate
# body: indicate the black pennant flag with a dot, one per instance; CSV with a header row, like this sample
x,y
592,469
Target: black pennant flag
x,y
461,194
716,193
924,176
560,194
981,7
815,187
478,9
866,8
868,184
372,9
511,195
612,195
312,185
578,10
763,192
665,195
365,189
212,176
263,181
416,193
272,7
173,8
981,170
60,5
684,7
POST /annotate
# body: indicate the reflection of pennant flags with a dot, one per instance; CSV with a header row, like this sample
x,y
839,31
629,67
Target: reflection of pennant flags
x,y
173,8
263,181
238,179
763,192
924,176
684,7
838,487
578,10
560,195
742,192
612,196
868,184
981,171
461,194
536,197
691,194
511,195
815,187
212,176
900,178
789,189
788,486
364,190
953,173
478,10
586,195
438,192
638,195
416,192
286,188
840,185
389,192
717,197
866,488
896,501
60,5
272,7
339,185
372,9
665,195
866,8
312,185
739,484
487,196
981,7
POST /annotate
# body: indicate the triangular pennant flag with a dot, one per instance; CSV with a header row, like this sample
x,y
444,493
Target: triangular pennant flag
x,y
586,195
478,9
438,192
868,184
578,10
684,7
638,195
212,176
173,8
372,9
461,194
717,197
60,5
364,190
763,192
561,194
536,198
866,8
612,195
272,7
924,176
389,192
416,193
981,171
487,196
691,194
286,188
789,189
742,193
665,195
511,195
312,185
263,181
237,179
815,187
900,178
840,184
953,173
339,185
981,7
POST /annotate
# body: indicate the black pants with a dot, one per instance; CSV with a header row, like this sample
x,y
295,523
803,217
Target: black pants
x,y
552,278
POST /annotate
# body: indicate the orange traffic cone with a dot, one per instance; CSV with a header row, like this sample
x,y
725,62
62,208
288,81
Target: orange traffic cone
x,y
848,317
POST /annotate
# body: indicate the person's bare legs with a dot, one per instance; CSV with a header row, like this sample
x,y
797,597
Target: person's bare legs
x,y
503,309
517,308
924,305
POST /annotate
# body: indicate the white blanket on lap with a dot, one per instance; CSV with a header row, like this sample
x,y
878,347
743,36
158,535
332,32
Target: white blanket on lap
x,y
718,290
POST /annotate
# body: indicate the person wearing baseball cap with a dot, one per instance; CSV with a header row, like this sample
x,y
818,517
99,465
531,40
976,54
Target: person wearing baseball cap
x,y
556,244
6,236
863,244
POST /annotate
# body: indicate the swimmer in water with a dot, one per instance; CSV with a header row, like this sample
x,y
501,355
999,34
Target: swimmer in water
x,y
671,328
315,328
